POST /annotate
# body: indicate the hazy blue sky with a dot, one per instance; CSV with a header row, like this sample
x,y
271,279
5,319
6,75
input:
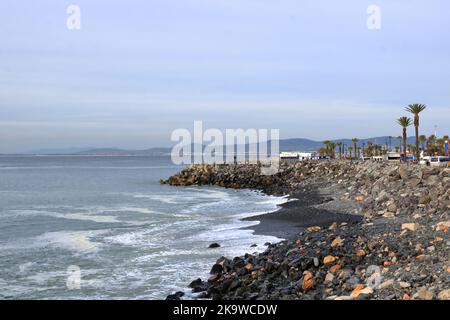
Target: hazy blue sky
x,y
139,69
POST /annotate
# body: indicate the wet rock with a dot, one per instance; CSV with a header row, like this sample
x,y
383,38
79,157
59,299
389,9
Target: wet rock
x,y
214,245
216,269
175,296
195,283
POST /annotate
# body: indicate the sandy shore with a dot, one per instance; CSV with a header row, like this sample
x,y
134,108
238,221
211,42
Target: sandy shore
x,y
318,206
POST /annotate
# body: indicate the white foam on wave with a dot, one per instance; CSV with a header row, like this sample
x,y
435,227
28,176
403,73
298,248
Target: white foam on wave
x,y
192,194
71,216
165,254
136,238
78,241
95,214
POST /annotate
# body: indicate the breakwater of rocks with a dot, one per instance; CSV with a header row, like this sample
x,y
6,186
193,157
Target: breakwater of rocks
x,y
399,250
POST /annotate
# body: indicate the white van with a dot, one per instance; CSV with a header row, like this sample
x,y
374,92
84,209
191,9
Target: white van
x,y
377,158
439,161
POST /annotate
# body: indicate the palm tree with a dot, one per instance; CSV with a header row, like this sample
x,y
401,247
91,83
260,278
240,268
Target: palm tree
x,y
400,141
323,152
441,145
355,140
423,140
340,144
332,147
350,149
329,147
431,144
404,122
415,109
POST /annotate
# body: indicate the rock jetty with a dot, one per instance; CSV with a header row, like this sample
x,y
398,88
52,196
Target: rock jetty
x,y
399,250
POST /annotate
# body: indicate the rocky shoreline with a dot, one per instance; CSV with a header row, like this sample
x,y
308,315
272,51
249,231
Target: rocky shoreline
x,y
383,233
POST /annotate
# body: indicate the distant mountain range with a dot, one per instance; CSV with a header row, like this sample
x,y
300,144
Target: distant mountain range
x,y
295,144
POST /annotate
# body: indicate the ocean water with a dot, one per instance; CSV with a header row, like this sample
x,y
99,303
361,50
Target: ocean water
x,y
87,227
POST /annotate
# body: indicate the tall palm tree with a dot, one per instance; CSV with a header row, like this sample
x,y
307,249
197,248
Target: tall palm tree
x,y
355,140
415,109
404,122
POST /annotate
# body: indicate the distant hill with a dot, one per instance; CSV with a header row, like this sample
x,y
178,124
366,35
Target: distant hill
x,y
122,152
60,151
294,144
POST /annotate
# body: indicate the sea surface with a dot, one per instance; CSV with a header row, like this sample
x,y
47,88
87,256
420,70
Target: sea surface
x,y
102,227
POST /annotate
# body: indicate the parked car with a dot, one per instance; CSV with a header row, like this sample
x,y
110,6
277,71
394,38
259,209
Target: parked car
x,y
439,161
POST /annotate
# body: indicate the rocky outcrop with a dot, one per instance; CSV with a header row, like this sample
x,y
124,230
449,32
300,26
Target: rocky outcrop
x,y
399,251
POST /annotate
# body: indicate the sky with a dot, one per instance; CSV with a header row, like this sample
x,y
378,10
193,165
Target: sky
x,y
136,70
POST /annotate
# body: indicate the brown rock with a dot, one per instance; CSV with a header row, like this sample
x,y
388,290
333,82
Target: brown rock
x,y
335,268
444,295
308,280
424,294
442,226
248,266
361,290
414,182
329,278
424,200
337,242
333,226
403,173
329,259
410,226
360,253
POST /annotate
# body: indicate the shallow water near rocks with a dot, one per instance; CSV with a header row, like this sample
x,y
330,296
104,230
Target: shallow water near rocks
x,y
130,237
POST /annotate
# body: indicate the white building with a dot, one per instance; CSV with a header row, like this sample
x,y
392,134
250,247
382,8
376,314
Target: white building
x,y
297,156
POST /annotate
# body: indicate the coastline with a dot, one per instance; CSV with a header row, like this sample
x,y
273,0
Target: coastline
x,y
394,244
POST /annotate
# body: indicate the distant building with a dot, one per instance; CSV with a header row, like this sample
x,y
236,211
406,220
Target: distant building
x,y
297,156
394,156
289,157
